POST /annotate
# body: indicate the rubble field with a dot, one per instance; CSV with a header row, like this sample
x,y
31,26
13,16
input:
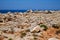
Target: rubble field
x,y
30,26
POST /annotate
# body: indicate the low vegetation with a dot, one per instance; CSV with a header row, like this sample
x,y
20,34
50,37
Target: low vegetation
x,y
10,38
43,26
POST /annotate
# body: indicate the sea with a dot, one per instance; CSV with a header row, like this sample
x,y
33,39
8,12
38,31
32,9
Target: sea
x,y
6,11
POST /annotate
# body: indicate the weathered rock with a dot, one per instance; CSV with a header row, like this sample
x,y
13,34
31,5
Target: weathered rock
x,y
36,29
53,39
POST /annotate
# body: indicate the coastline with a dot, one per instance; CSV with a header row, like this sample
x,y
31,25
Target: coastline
x,y
30,25
6,11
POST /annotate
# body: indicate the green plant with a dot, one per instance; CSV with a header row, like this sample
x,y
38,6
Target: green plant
x,y
35,38
43,26
10,38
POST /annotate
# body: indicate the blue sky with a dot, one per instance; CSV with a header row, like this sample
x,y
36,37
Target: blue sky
x,y
29,4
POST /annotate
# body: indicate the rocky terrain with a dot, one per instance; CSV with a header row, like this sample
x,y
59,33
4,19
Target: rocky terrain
x,y
30,26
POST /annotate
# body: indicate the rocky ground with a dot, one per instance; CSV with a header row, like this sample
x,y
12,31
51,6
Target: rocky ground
x,y
30,26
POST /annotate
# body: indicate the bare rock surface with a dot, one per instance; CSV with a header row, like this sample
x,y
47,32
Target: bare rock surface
x,y
41,25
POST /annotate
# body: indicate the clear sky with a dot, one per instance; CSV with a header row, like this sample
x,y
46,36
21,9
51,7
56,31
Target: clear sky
x,y
29,4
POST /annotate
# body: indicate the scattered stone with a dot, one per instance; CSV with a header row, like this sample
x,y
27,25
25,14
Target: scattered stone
x,y
35,29
48,12
53,39
45,25
55,26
